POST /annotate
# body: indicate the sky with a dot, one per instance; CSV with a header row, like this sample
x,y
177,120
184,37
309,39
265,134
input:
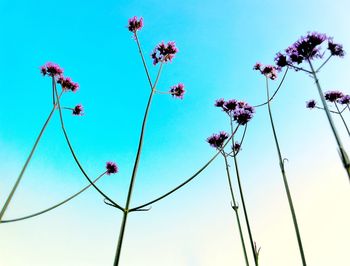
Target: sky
x,y
219,42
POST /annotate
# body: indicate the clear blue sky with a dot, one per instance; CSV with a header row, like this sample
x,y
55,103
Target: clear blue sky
x,y
219,41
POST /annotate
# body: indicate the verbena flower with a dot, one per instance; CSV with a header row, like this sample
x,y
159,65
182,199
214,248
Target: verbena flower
x,y
242,116
219,102
68,84
333,96
217,140
237,147
111,167
268,70
344,100
178,91
78,110
135,24
281,61
164,52
229,106
335,49
51,69
311,104
257,66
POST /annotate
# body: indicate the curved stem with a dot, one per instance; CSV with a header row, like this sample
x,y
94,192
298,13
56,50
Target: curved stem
x,y
343,154
325,62
143,59
235,208
183,183
54,206
342,118
76,158
9,198
300,68
134,172
281,163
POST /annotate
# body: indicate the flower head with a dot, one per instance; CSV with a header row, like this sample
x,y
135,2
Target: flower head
x,y
237,147
164,52
308,47
230,105
335,49
111,167
134,24
311,104
177,91
281,61
257,66
51,69
219,102
344,100
333,96
217,140
78,110
242,116
268,70
68,84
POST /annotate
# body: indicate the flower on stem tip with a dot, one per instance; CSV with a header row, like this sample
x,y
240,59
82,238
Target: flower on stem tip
x,y
134,24
217,140
78,110
178,90
333,96
112,168
335,49
344,100
240,111
164,52
311,104
268,70
51,69
219,102
68,84
236,147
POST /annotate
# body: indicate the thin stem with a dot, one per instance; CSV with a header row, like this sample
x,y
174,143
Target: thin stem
x,y
54,206
343,154
342,118
134,172
325,62
143,60
183,183
281,163
9,198
53,91
163,92
320,108
235,208
243,201
300,68
76,158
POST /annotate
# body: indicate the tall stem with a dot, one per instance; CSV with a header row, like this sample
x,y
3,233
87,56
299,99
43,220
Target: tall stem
x,y
343,155
235,208
134,172
281,163
342,118
19,178
243,202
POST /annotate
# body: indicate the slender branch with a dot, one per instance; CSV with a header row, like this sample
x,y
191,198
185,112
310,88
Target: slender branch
x,y
54,206
143,59
325,62
163,92
300,68
342,118
320,108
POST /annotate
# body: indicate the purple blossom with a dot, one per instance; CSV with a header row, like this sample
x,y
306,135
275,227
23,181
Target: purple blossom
x,y
344,100
237,147
164,52
178,90
230,105
243,115
270,72
134,24
111,167
51,69
281,61
335,49
257,66
333,96
217,140
219,102
311,104
78,110
67,84
308,46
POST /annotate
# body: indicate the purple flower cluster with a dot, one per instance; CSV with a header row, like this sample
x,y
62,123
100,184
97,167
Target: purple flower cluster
x,y
111,167
268,70
237,147
178,90
333,96
51,69
311,104
164,52
134,24
78,110
307,48
217,140
68,84
344,100
240,111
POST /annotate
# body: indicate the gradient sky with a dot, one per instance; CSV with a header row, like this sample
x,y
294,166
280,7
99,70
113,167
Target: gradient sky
x,y
219,42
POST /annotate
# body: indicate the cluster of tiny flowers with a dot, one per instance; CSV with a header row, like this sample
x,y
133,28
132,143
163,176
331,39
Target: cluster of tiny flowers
x,y
344,100
268,70
135,24
217,140
78,110
164,52
333,96
51,69
307,48
178,90
111,167
68,84
237,147
311,104
241,111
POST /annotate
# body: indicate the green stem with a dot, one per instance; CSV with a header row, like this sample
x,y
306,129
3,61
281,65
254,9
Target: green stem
x,y
134,172
342,118
235,208
281,163
343,154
